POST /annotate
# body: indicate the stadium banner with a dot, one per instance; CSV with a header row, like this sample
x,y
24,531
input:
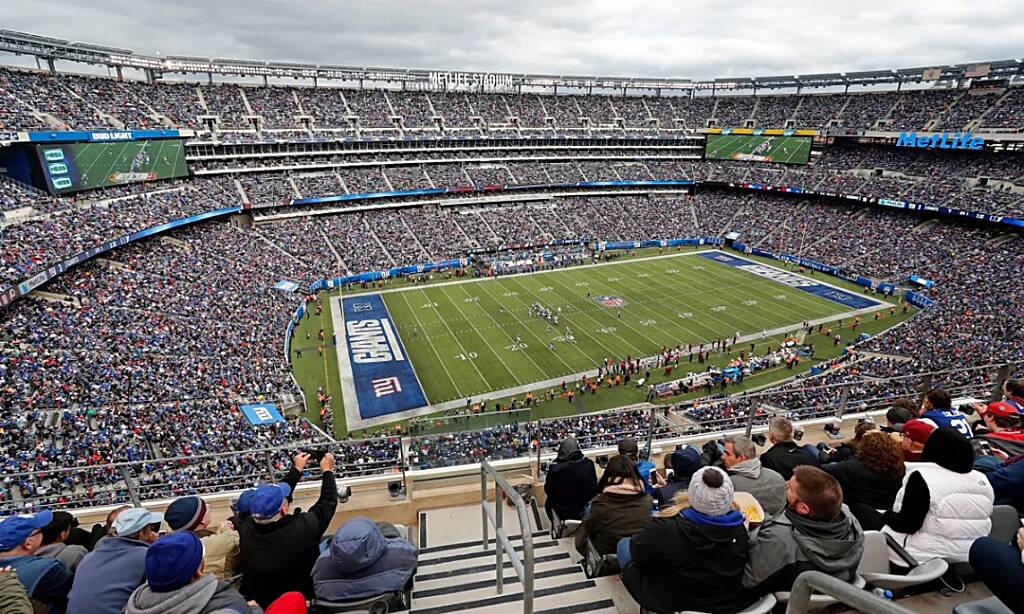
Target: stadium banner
x,y
826,291
369,276
921,281
918,300
290,332
320,200
811,264
951,212
286,286
14,292
102,136
263,413
377,377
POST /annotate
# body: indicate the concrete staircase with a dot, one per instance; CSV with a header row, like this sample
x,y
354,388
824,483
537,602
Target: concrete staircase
x,y
457,574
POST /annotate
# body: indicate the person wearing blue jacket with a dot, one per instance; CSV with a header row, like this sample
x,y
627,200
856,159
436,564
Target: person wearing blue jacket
x,y
363,561
1008,483
45,579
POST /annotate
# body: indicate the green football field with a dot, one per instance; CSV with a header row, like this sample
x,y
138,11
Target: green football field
x,y
477,339
465,339
784,149
96,162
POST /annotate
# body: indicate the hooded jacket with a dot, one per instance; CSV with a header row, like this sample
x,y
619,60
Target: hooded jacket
x,y
789,544
678,563
571,481
204,596
766,485
944,504
617,512
361,563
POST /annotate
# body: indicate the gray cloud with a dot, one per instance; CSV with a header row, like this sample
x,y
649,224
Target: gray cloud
x,y
675,38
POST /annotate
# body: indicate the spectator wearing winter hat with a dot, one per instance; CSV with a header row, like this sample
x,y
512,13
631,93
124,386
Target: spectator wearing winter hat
x,y
944,504
278,549
571,482
364,560
621,509
220,547
45,579
109,574
684,462
55,544
176,582
243,507
692,556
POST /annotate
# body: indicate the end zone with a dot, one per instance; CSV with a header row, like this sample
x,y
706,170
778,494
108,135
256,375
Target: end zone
x,y
378,381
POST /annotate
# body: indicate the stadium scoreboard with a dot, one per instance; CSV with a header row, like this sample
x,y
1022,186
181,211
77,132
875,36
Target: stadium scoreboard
x,y
73,167
758,148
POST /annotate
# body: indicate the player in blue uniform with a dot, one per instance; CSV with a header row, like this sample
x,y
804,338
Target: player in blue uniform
x,y
937,408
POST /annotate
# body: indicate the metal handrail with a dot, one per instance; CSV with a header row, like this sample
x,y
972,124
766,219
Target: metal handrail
x,y
524,567
857,598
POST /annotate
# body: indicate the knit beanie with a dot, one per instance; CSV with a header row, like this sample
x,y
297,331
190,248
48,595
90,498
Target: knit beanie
x,y
185,514
172,560
711,492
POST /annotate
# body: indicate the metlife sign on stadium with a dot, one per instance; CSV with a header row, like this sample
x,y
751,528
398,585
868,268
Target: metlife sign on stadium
x,y
941,140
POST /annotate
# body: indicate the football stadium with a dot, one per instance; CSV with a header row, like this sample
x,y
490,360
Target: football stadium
x,y
313,336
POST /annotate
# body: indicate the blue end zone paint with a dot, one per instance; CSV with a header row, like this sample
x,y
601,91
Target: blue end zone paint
x,y
382,374
836,295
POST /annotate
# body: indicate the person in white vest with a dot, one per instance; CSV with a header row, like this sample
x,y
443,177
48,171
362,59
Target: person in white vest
x,y
944,504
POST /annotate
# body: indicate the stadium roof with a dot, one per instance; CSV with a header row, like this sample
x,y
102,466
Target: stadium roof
x,y
48,48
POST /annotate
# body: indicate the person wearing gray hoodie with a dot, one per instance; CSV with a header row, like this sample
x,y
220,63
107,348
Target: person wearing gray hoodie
x,y
747,474
814,532
176,584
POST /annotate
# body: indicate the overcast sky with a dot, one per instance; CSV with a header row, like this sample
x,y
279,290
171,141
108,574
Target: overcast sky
x,y
672,38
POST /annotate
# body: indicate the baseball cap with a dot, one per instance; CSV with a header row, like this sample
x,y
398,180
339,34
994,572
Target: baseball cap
x,y
918,431
1007,409
134,520
172,560
244,505
14,530
267,501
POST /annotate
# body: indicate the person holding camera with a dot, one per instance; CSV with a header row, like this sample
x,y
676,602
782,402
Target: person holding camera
x,y
278,549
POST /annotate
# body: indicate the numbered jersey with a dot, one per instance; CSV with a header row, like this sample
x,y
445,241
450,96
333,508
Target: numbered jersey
x,y
949,417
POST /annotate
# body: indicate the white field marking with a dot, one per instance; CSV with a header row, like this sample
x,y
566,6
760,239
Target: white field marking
x,y
455,385
529,330
509,335
479,334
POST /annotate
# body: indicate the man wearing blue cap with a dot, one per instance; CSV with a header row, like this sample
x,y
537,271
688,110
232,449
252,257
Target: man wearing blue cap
x,y
279,549
45,579
176,581
107,576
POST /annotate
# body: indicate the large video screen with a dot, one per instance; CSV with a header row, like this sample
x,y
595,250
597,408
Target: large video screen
x,y
71,167
746,147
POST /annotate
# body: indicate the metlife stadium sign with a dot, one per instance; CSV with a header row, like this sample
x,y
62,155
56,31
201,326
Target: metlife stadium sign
x,y
958,140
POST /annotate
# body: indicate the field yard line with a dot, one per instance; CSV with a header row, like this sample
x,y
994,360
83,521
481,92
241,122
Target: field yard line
x,y
433,349
555,381
475,329
710,248
529,330
620,321
698,287
508,334
591,337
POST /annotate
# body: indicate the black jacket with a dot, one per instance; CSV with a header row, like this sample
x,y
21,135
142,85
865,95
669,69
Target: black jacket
x,y
784,456
679,565
613,516
570,485
278,557
864,486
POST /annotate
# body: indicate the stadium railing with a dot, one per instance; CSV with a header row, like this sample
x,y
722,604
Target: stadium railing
x,y
503,491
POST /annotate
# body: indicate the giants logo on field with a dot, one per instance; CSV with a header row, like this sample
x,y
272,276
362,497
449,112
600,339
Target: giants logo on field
x,y
373,341
610,301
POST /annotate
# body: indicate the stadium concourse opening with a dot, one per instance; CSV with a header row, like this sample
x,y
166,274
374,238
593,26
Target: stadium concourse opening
x,y
414,351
